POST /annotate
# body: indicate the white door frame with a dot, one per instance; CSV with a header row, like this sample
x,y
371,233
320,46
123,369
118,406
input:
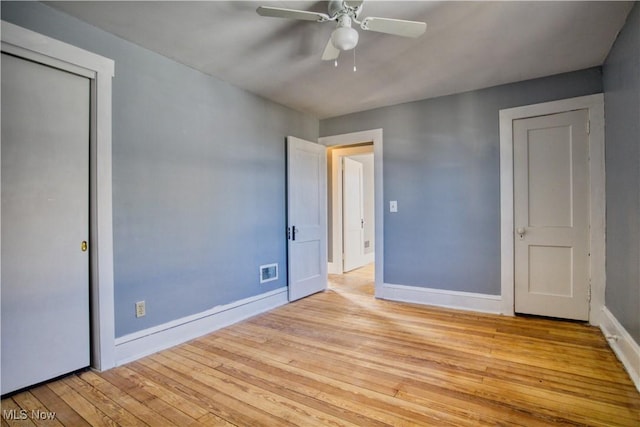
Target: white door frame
x,y
375,136
336,266
100,70
595,105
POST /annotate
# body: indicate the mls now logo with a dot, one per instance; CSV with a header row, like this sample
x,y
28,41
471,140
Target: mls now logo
x,y
23,414
15,414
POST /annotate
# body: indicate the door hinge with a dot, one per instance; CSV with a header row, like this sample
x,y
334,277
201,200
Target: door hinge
x,y
589,292
288,233
588,127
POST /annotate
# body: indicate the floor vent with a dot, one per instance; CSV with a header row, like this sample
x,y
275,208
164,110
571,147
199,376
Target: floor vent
x,y
268,273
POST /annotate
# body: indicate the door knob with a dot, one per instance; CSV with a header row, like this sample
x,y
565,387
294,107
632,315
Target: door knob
x,y
521,231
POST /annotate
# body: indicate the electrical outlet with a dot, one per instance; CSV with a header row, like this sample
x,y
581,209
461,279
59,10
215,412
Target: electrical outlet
x,y
141,310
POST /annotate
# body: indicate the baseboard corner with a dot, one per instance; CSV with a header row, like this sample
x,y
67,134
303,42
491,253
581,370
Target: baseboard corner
x,y
623,345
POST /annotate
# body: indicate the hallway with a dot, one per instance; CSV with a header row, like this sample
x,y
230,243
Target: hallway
x,y
359,281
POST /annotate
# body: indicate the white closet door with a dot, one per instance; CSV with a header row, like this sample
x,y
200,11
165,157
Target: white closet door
x,y
551,194
45,222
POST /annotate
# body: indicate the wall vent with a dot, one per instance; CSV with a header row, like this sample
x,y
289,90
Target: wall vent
x,y
268,273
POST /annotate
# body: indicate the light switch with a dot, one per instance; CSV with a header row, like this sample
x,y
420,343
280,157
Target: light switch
x,y
393,206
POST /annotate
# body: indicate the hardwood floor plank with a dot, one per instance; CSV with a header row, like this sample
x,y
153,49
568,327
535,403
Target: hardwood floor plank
x,y
173,395
38,412
344,358
79,404
272,403
379,406
156,400
220,404
64,413
211,420
98,399
124,400
12,414
283,382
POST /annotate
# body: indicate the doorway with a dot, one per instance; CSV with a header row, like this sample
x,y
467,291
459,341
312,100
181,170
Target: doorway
x,y
369,139
358,213
358,283
351,211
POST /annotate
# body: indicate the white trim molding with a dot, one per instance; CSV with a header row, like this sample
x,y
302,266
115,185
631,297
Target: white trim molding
x,y
375,136
442,298
595,105
622,344
143,343
100,70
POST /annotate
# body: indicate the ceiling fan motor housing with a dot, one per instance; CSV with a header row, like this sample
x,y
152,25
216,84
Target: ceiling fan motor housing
x,y
351,8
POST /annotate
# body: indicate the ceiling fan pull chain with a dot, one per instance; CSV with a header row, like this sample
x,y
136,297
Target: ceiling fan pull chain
x,y
354,60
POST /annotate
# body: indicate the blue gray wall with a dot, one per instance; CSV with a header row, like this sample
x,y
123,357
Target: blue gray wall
x,y
622,111
199,190
198,178
442,165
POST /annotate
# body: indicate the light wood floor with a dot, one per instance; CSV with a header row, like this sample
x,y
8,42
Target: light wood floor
x,y
343,358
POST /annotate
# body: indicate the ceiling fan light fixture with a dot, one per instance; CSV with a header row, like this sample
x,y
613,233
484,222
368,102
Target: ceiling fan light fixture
x,y
344,38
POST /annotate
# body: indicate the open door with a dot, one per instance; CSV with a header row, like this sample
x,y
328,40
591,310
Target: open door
x,y
353,214
306,217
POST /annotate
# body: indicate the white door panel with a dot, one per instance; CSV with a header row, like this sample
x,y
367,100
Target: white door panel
x,y
353,214
551,215
45,205
306,217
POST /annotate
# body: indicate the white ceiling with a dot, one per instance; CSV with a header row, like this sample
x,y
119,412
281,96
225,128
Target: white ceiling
x,y
467,46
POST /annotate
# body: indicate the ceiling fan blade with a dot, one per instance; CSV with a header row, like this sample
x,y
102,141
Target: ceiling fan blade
x,y
397,27
278,12
330,52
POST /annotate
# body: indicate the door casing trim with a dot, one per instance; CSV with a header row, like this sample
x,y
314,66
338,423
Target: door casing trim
x,y
595,106
31,45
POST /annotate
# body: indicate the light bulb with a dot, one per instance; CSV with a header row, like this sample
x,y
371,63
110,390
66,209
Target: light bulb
x,y
344,38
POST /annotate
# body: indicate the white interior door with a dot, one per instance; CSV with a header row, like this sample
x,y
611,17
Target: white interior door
x,y
551,215
353,214
45,219
306,217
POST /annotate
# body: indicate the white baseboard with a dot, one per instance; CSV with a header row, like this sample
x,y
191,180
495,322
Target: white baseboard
x,y
142,343
623,345
442,298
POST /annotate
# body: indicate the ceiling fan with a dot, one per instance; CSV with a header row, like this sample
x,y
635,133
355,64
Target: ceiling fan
x,y
345,12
